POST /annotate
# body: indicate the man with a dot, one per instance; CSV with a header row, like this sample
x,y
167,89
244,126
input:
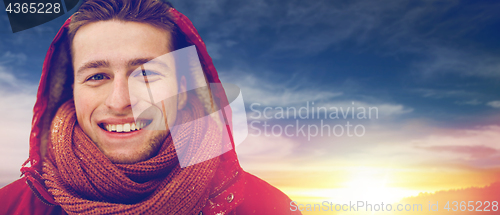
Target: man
x,y
117,129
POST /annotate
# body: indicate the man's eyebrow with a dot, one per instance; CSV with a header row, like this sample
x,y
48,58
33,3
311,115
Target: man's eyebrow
x,y
140,61
93,64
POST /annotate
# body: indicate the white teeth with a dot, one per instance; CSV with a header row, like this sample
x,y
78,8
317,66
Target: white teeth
x,y
119,128
127,127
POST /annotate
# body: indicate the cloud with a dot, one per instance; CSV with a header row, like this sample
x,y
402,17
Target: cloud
x,y
379,109
261,93
10,83
214,50
480,136
441,60
469,102
473,151
16,105
494,104
9,57
7,78
439,94
300,22
450,145
409,144
269,92
388,28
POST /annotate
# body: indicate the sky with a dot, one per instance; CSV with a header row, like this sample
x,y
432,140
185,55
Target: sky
x,y
429,71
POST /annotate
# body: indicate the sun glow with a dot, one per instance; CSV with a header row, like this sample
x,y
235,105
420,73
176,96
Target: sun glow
x,y
371,184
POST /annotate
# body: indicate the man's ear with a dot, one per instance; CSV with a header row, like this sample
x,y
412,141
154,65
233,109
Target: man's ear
x,y
182,96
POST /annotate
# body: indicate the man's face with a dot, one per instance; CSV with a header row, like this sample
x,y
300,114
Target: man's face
x,y
106,53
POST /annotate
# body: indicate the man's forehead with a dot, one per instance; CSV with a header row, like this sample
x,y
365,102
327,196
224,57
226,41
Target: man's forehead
x,y
105,36
102,43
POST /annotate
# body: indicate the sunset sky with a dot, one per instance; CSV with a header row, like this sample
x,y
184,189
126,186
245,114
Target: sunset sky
x,y
431,70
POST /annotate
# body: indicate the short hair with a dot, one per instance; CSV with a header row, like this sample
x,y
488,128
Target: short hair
x,y
153,12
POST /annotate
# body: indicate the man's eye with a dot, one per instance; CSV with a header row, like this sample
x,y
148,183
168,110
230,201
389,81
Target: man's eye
x,y
97,77
147,73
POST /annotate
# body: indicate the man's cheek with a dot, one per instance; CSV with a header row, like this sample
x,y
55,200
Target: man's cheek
x,y
83,109
163,91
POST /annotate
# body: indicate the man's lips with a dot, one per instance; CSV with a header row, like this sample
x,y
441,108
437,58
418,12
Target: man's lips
x,y
123,125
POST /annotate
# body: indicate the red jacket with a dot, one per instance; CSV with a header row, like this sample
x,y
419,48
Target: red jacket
x,y
245,194
258,197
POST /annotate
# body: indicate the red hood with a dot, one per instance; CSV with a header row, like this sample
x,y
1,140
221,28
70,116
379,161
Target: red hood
x,y
55,89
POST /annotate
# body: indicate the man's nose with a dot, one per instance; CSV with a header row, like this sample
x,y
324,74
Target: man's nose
x,y
119,99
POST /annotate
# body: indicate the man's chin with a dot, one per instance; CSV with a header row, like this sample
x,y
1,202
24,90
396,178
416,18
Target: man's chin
x,y
140,153
128,148
128,158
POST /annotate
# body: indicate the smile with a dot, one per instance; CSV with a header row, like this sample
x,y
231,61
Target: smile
x,y
125,127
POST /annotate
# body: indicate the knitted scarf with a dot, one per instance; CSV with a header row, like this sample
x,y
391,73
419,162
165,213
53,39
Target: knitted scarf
x,y
84,181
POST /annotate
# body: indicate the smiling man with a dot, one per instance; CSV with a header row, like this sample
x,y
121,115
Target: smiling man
x,y
119,126
104,56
